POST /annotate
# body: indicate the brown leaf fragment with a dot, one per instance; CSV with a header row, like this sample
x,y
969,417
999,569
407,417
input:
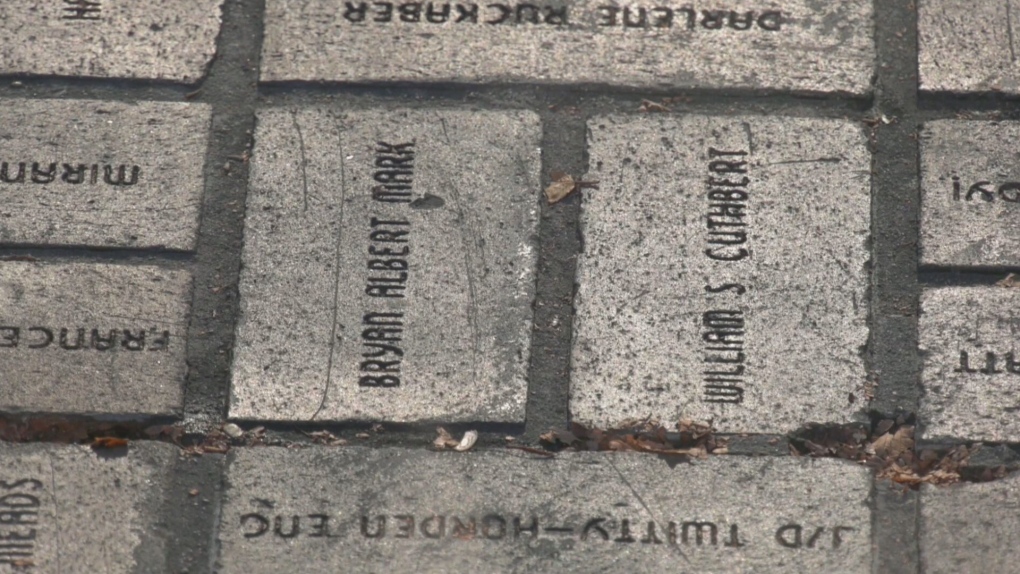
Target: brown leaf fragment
x,y
1010,280
444,439
363,435
326,438
560,188
650,106
108,442
22,563
892,445
193,492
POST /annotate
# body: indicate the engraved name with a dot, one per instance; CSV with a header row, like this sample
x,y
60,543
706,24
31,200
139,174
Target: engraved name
x,y
722,335
653,16
990,364
78,173
512,528
81,338
19,515
986,191
81,10
388,267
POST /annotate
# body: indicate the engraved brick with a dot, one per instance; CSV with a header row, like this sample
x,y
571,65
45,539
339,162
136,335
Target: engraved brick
x,y
66,509
360,511
970,527
724,272
971,368
970,194
92,338
967,46
109,38
800,45
101,174
389,266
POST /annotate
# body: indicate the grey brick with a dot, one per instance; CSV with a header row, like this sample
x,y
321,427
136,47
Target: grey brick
x,y
640,512
787,301
970,527
809,46
454,330
970,194
972,397
65,509
101,174
966,46
109,38
71,338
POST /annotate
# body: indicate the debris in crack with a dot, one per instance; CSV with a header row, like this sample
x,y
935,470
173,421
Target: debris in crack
x,y
564,184
690,439
445,441
888,447
326,438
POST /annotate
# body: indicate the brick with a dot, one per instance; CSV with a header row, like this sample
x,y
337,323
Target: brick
x,y
970,372
360,510
970,527
806,46
102,174
86,338
967,46
970,194
66,509
172,41
424,314
724,273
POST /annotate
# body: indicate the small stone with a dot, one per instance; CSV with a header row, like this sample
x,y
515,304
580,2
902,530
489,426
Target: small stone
x,y
232,430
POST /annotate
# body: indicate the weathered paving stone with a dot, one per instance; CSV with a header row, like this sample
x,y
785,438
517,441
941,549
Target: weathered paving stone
x,y
971,373
970,194
966,46
66,509
109,38
101,174
724,272
360,510
802,45
389,266
92,338
970,527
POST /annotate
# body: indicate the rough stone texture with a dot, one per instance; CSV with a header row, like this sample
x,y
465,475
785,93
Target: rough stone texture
x,y
61,180
819,47
641,345
172,40
978,405
970,527
462,340
967,46
65,509
983,230
80,305
337,487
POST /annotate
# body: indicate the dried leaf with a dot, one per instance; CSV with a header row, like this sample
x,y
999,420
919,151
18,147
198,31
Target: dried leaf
x,y
1009,281
467,442
107,442
444,440
560,188
326,438
650,106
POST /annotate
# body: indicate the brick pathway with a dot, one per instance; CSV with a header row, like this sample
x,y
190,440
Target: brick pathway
x,y
273,244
